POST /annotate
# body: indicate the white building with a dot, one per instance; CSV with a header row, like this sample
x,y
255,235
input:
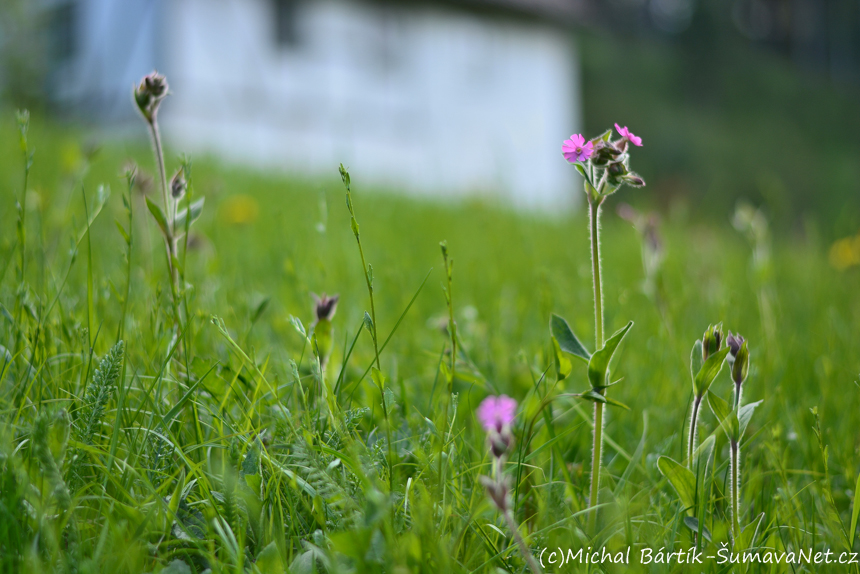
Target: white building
x,y
433,97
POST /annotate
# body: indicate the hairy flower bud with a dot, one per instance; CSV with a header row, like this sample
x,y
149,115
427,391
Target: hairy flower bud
x,y
734,342
325,307
741,363
712,341
149,93
497,491
604,152
178,186
500,442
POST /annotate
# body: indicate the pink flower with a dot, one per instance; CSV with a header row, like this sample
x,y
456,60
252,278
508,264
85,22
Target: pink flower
x,y
496,413
576,149
625,133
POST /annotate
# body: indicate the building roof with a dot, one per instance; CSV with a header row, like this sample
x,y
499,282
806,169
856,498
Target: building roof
x,y
563,12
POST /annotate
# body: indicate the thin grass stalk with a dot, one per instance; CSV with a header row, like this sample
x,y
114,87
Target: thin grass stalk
x,y
597,448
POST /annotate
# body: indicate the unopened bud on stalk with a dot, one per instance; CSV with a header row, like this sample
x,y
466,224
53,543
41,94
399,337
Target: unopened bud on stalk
x,y
178,186
712,341
734,342
149,93
740,363
497,491
325,307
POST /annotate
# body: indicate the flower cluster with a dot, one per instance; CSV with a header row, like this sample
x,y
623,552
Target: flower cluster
x,y
604,163
496,415
148,95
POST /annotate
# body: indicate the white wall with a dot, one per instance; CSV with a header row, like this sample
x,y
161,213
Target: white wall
x,y
426,99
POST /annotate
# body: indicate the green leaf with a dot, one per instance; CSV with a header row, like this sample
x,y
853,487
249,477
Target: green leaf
x,y
597,397
567,341
269,560
749,533
160,219
693,524
563,365
598,365
378,378
855,513
682,480
709,371
195,209
696,361
297,325
744,416
725,416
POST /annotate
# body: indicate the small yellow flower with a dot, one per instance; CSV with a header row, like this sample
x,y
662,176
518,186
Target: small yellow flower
x,y
845,253
239,209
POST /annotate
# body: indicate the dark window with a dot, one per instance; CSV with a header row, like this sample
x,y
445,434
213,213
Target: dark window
x,y
62,31
286,23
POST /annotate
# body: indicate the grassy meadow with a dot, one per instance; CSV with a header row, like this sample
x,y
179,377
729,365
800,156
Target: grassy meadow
x,y
220,446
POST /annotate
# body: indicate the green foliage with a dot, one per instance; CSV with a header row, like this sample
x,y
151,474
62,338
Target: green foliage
x,y
214,447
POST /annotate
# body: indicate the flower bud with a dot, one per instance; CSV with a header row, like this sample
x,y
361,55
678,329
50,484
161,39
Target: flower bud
x,y
149,93
500,442
325,307
178,186
712,341
604,153
497,491
741,363
633,179
734,342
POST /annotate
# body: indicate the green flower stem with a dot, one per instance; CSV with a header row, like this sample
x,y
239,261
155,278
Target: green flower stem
x,y
735,488
169,241
524,550
597,449
691,439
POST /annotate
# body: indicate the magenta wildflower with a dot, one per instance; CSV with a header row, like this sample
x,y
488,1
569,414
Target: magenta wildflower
x,y
576,149
625,133
496,413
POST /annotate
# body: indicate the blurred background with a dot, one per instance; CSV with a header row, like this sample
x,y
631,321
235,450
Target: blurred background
x,y
752,99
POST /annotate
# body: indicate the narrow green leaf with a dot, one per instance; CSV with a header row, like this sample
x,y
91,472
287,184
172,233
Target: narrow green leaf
x,y
160,219
696,361
744,416
567,341
593,396
693,524
682,480
709,371
855,513
195,209
598,365
725,416
563,365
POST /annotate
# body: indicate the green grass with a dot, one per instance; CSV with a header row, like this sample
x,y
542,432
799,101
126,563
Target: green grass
x,y
203,457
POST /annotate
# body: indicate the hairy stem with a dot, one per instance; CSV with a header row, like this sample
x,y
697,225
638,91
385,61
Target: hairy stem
x,y
169,241
597,448
529,558
735,471
691,438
